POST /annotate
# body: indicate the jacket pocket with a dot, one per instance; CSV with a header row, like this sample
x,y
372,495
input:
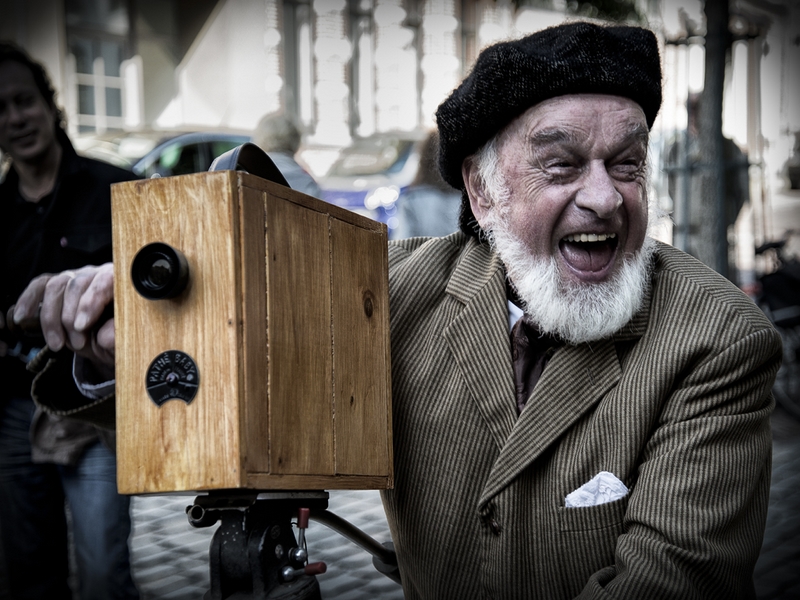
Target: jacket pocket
x,y
587,518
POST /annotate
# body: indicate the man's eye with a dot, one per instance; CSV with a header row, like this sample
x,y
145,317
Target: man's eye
x,y
562,169
631,168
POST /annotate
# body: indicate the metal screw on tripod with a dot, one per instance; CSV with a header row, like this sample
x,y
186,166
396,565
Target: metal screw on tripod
x,y
200,517
315,568
299,555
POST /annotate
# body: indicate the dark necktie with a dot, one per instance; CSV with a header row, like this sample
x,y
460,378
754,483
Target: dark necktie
x,y
530,352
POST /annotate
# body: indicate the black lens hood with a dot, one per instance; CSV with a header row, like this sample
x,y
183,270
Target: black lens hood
x,y
172,278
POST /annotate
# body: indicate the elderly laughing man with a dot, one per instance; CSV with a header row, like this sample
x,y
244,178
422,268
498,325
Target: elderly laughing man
x,y
612,441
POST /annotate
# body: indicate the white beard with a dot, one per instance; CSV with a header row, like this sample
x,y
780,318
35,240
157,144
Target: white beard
x,y
573,312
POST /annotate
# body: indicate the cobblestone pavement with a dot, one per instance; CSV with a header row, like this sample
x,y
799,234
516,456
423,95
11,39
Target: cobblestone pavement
x,y
777,574
170,557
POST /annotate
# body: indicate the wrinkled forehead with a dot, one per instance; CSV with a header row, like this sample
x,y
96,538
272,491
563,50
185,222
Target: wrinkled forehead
x,y
581,118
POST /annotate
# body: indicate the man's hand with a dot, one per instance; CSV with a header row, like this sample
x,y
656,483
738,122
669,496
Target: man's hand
x,y
69,306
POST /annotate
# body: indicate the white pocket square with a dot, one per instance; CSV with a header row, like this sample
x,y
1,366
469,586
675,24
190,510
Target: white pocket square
x,y
603,487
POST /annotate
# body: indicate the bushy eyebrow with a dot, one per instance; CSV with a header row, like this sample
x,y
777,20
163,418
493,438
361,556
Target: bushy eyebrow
x,y
545,137
640,133
557,135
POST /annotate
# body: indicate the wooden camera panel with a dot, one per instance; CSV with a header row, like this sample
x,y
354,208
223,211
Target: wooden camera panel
x,y
286,319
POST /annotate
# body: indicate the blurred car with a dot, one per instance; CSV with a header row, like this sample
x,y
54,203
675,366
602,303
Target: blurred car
x,y
154,154
370,175
187,153
161,154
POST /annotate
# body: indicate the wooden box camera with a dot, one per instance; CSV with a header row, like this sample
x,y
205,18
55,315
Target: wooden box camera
x,y
271,368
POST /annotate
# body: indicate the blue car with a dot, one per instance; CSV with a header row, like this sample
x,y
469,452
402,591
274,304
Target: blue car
x,y
370,175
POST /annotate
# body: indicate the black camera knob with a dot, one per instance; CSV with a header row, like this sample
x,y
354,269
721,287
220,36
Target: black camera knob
x,y
159,271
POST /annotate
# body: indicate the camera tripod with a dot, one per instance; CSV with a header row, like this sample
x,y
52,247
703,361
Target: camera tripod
x,y
254,554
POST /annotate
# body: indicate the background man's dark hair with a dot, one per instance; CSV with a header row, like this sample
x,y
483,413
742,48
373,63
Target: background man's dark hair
x,y
10,51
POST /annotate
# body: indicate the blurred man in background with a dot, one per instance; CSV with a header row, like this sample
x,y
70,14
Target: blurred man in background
x,y
279,137
56,215
429,207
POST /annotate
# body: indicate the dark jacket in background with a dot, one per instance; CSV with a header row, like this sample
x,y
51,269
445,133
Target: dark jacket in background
x,y
74,231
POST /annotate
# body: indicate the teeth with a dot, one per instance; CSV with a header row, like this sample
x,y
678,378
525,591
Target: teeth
x,y
590,237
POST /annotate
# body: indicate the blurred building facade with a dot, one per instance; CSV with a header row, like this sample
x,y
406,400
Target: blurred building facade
x,y
349,68
341,68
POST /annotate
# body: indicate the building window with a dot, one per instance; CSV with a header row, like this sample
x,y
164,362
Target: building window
x,y
98,43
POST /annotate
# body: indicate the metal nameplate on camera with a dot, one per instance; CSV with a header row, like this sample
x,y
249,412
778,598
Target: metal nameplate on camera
x,y
172,375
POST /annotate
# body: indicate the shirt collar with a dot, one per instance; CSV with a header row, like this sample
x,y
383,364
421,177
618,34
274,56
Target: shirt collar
x,y
514,314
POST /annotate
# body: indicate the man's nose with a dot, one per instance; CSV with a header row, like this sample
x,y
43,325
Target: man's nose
x,y
598,192
14,113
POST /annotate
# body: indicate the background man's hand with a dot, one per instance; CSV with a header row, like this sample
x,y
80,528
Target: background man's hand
x,y
69,307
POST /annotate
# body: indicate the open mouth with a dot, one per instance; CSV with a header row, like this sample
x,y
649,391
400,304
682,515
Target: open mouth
x,y
589,252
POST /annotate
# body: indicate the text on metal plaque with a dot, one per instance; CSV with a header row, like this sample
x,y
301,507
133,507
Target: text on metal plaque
x,y
172,375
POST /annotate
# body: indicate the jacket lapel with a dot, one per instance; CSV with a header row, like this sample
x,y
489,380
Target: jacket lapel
x,y
575,379
478,338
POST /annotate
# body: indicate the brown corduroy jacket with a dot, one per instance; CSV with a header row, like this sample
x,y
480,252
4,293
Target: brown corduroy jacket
x,y
676,405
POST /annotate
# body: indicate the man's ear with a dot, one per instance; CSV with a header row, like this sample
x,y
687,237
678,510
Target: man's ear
x,y
479,202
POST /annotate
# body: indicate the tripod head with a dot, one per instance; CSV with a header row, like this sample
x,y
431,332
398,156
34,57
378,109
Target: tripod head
x,y
254,553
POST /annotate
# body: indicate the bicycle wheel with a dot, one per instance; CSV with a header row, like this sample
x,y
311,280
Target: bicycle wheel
x,y
787,382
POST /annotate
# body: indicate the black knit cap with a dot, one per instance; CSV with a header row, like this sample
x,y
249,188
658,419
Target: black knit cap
x,y
510,77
